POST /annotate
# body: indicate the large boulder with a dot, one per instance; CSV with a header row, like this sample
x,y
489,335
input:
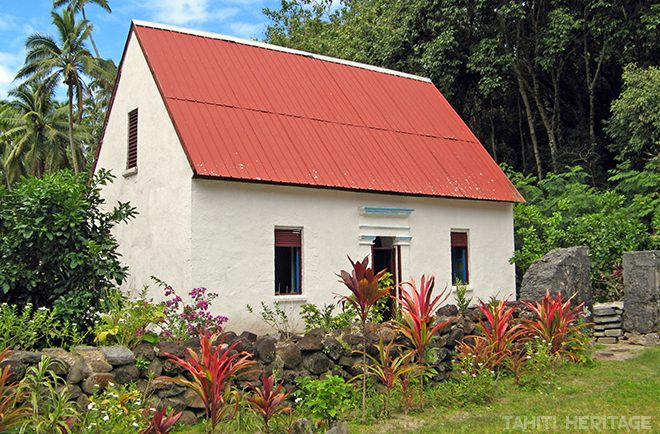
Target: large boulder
x,y
641,280
566,270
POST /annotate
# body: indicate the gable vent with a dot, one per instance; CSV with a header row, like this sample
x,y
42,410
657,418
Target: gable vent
x,y
131,160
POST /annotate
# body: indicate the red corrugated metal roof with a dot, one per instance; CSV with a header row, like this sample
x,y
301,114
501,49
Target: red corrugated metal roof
x,y
249,111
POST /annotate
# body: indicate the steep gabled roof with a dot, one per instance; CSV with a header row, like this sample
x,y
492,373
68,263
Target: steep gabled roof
x,y
255,112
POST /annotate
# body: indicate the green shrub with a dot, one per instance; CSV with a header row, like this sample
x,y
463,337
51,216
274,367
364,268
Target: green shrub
x,y
29,328
116,410
56,246
325,318
466,389
564,210
325,399
50,404
127,321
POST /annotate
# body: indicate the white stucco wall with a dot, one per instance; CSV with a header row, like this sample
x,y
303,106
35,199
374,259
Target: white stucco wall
x,y
233,252
157,241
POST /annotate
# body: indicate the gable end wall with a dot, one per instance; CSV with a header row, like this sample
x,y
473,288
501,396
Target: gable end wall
x,y
157,241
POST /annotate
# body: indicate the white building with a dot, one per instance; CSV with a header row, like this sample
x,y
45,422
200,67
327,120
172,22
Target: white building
x,y
257,169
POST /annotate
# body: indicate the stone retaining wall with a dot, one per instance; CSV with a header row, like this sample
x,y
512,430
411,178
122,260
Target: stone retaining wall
x,y
315,354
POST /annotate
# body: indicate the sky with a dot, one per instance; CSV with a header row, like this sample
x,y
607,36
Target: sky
x,y
20,18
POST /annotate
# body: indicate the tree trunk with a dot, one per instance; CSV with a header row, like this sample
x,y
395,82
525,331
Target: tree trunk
x,y
91,38
530,123
547,123
72,146
493,145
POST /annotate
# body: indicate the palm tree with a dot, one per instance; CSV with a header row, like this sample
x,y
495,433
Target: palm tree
x,y
70,61
34,132
79,6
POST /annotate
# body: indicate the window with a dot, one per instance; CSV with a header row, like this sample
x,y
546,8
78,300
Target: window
x,y
131,157
459,258
288,272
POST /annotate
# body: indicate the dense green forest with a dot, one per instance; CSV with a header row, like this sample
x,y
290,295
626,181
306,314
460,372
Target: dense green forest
x,y
564,95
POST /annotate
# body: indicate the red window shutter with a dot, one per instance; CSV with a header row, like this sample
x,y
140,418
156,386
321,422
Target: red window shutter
x,y
287,238
459,239
131,159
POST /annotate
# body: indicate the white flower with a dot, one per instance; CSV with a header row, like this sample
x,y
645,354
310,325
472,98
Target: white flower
x,y
298,399
106,417
43,308
135,425
529,357
90,406
111,384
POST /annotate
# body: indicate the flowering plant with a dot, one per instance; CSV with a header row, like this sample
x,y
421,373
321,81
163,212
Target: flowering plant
x,y
185,320
117,409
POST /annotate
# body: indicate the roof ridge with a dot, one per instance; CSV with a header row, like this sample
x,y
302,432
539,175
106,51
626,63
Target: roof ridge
x,y
371,127
219,36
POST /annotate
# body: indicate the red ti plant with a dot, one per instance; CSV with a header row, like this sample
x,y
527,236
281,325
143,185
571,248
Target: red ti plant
x,y
212,372
363,281
499,330
557,324
161,422
390,370
11,413
267,400
418,322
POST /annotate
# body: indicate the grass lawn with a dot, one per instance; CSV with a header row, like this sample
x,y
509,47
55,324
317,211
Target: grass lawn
x,y
605,388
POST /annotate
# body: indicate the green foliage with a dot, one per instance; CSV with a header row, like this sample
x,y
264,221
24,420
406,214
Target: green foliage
x,y
462,300
635,123
563,210
51,407
56,245
315,317
276,317
465,389
127,321
30,329
325,399
116,410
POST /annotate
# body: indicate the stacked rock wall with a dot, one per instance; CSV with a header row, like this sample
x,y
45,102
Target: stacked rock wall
x,y
316,354
608,322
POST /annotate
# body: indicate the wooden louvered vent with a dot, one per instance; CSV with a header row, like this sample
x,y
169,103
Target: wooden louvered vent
x,y
131,160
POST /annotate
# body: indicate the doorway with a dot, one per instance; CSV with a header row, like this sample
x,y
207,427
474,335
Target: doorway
x,y
387,256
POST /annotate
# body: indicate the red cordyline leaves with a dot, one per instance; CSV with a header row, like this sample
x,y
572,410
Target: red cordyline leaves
x,y
556,323
11,414
161,422
363,283
267,400
498,338
212,372
499,329
418,307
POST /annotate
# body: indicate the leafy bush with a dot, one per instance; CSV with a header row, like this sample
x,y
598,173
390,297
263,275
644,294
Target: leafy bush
x,y
29,328
116,410
56,245
276,317
325,399
182,321
211,373
462,300
126,321
465,389
564,210
324,317
50,404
